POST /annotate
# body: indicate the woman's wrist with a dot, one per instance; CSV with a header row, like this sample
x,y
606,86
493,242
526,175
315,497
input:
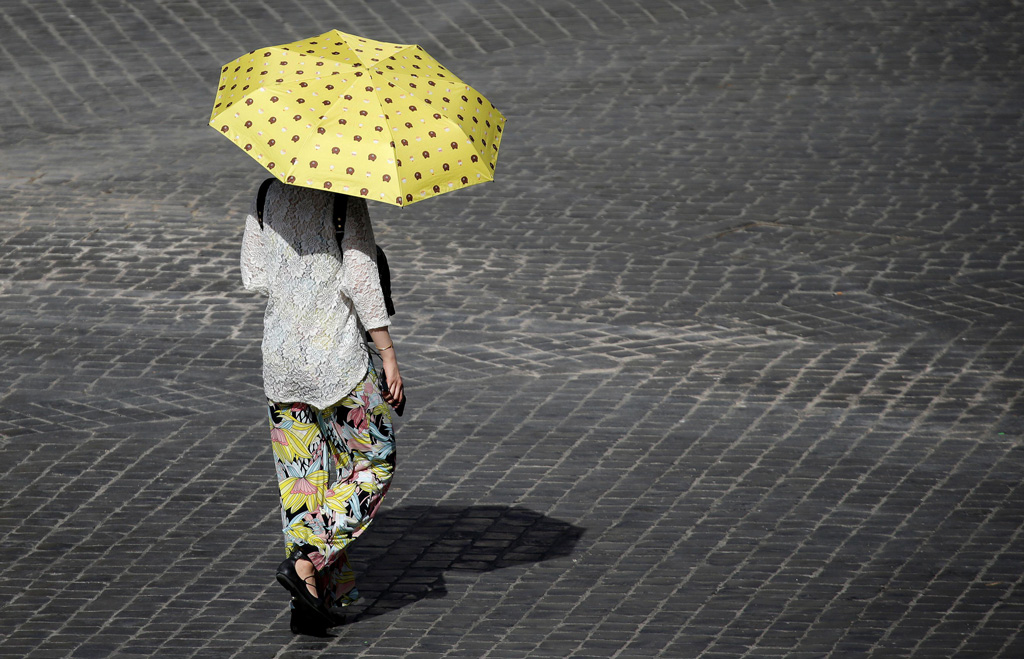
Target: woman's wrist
x,y
382,341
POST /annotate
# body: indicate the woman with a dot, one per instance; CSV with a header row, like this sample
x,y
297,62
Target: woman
x,y
331,431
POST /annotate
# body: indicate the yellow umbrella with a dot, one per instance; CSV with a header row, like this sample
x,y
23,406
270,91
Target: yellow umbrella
x,y
380,120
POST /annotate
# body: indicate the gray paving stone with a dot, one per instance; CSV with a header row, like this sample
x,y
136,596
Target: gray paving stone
x,y
727,363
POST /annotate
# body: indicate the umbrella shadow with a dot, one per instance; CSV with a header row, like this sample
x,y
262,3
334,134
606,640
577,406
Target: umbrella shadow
x,y
406,553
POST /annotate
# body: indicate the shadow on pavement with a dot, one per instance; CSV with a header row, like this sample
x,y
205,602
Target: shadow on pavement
x,y
406,552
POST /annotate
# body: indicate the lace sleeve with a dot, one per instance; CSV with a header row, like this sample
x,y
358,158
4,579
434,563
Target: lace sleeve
x,y
254,272
359,278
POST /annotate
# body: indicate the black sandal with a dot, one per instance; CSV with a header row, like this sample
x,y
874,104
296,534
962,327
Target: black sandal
x,y
308,607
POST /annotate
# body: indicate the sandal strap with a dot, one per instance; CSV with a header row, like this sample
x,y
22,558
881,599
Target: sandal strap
x,y
311,579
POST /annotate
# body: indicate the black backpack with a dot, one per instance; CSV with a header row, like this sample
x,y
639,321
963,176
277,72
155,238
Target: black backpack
x,y
340,215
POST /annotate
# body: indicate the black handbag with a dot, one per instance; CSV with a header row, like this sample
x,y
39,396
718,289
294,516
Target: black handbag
x,y
340,215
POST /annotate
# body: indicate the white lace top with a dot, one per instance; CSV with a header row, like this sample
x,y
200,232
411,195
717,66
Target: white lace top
x,y
319,303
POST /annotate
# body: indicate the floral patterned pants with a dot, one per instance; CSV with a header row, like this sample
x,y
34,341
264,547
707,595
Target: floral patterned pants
x,y
333,468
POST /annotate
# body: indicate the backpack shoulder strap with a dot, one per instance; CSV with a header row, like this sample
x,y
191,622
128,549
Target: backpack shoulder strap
x,y
340,216
261,198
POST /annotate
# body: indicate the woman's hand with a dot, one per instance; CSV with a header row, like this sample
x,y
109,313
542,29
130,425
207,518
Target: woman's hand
x,y
393,393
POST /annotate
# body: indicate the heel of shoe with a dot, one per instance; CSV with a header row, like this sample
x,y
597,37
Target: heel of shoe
x,y
283,579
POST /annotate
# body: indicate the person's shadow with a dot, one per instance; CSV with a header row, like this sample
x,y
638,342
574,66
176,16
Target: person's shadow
x,y
405,553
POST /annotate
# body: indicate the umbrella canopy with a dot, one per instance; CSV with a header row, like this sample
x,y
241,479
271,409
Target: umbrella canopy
x,y
379,120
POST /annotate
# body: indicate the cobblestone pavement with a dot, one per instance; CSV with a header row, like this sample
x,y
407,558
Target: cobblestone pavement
x,y
727,363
